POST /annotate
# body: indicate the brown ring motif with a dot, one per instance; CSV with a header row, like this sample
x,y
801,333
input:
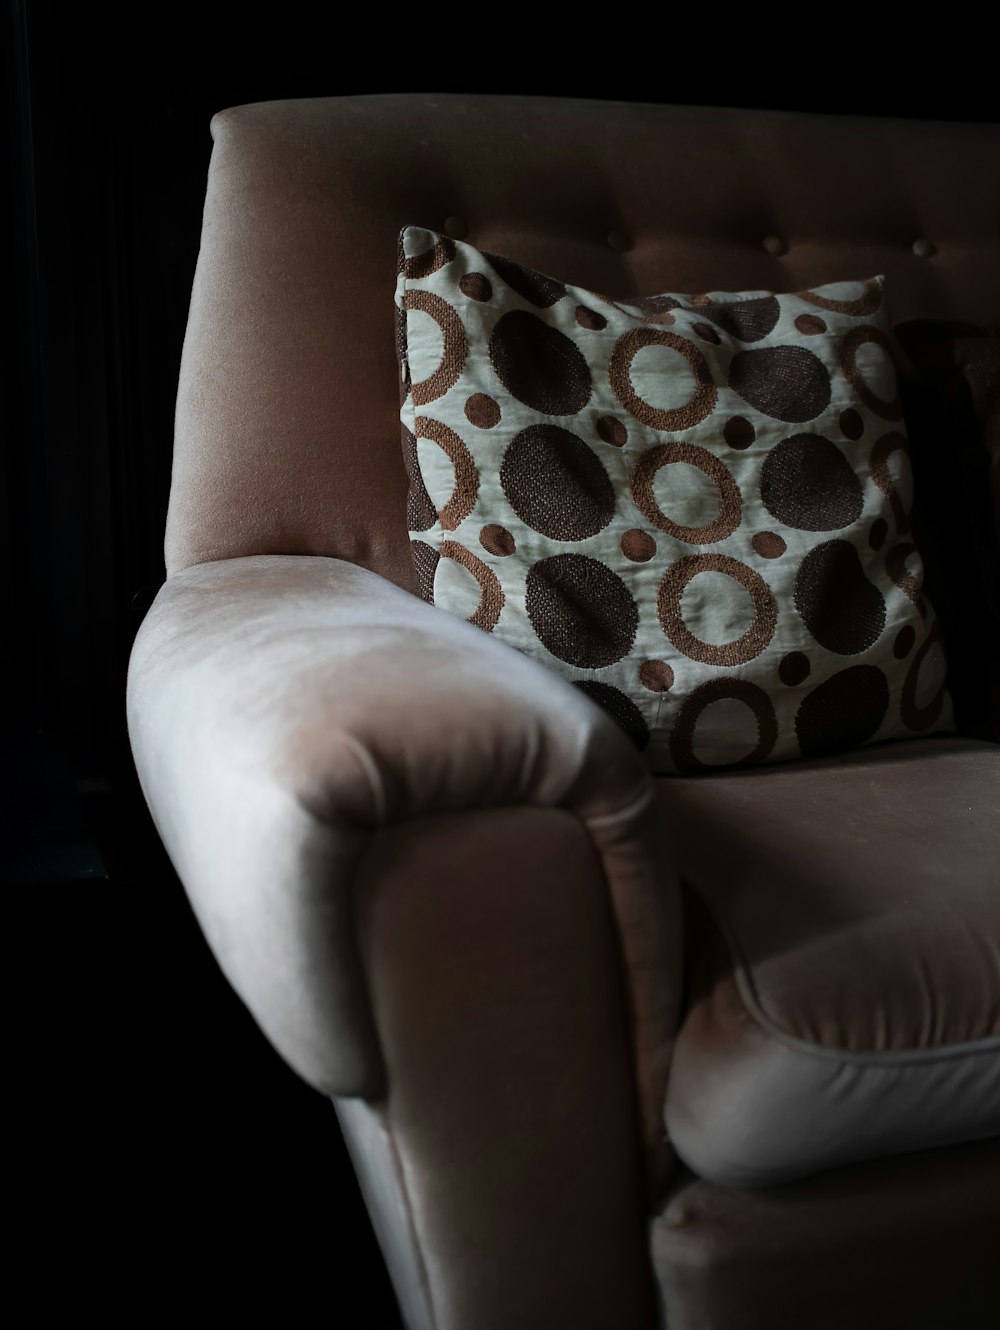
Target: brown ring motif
x,y
682,417
730,499
668,609
466,490
883,450
864,304
716,690
491,597
849,348
455,345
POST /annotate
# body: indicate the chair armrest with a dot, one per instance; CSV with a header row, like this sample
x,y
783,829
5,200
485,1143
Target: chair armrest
x,y
284,709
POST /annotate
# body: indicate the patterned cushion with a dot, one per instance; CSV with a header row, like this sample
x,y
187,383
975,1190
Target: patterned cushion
x,y
696,508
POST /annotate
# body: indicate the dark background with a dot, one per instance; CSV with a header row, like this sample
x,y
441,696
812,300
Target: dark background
x,y
159,1149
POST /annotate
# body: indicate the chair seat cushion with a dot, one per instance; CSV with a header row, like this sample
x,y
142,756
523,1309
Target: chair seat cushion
x,y
844,991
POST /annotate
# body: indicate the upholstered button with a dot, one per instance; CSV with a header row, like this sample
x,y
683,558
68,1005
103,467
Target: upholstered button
x,y
619,241
456,227
924,249
775,246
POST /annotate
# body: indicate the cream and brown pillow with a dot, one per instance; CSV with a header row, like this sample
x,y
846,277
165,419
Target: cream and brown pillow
x,y
696,508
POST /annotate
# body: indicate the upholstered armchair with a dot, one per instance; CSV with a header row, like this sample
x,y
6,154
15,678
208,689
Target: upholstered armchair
x,y
712,1052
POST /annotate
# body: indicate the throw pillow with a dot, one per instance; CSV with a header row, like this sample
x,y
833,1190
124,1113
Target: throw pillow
x,y
695,507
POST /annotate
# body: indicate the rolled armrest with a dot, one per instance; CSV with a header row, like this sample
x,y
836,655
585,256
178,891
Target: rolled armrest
x,y
284,709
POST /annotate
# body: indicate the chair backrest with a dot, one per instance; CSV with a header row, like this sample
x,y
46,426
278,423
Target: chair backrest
x,y
287,435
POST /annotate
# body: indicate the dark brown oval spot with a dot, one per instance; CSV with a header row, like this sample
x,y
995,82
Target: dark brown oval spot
x,y
878,533
656,675
810,325
794,668
739,433
844,612
852,425
556,484
539,365
612,431
747,320
786,382
843,711
707,333
533,286
476,286
590,319
482,411
769,545
581,610
619,707
497,540
903,644
807,483
638,545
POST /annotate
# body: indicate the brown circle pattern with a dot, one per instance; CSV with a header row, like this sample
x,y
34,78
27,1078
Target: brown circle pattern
x,y
637,546
769,545
466,490
807,483
549,383
744,648
590,319
455,346
849,348
794,669
539,365
612,431
581,610
491,597
682,737
656,676
739,433
730,501
867,303
477,286
556,484
496,539
677,418
879,463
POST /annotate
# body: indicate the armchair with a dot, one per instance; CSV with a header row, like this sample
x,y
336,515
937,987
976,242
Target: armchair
x,y
608,1051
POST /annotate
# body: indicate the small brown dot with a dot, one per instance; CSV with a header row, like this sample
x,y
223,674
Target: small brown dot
x,y
707,333
612,431
638,545
656,675
497,539
739,433
810,324
903,644
476,286
482,411
589,318
794,668
851,424
878,533
769,545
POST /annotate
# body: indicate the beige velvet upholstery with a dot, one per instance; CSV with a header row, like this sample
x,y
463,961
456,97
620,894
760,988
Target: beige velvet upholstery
x,y
437,875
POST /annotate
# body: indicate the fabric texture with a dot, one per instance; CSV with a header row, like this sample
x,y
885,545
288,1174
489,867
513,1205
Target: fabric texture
x,y
695,508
